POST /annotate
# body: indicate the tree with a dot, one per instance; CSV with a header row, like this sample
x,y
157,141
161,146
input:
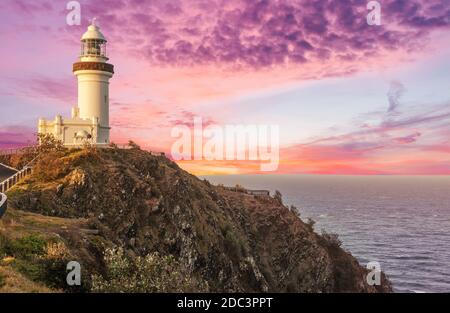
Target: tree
x,y
48,143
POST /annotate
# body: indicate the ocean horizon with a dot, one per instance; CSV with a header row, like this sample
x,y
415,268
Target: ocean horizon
x,y
402,222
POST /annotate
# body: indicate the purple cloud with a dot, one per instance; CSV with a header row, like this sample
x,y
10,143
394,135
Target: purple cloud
x,y
60,89
264,33
408,139
12,136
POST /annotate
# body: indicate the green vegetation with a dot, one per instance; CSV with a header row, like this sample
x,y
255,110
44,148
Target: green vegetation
x,y
233,244
37,258
25,247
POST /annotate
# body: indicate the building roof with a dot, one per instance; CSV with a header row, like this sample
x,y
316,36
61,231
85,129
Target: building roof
x,y
93,32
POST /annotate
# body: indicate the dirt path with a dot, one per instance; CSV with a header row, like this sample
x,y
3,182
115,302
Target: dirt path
x,y
5,173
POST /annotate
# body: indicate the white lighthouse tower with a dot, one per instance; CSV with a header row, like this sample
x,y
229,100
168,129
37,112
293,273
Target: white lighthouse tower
x,y
90,118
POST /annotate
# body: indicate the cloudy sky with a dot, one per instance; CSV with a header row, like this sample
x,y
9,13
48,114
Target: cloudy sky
x,y
349,98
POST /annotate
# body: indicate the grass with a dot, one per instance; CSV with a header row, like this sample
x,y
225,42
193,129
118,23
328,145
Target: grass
x,y
12,281
2,280
25,247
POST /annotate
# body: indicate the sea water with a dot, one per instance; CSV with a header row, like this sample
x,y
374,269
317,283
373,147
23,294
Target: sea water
x,y
402,222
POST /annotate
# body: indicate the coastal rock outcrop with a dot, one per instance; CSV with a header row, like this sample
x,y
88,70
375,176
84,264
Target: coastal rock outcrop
x,y
232,241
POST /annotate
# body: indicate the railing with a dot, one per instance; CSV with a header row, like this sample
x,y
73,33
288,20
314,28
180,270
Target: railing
x,y
9,151
15,150
128,147
261,193
3,204
9,167
11,181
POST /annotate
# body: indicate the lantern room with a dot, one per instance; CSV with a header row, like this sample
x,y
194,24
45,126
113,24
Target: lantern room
x,y
93,43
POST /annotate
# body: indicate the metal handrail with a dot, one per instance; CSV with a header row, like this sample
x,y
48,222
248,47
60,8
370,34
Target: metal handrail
x,y
3,204
14,179
15,150
9,167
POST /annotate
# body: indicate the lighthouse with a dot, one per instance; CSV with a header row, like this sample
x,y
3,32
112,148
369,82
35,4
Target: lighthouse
x,y
89,122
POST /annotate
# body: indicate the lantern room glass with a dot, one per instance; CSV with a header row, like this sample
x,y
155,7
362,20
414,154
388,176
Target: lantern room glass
x,y
93,47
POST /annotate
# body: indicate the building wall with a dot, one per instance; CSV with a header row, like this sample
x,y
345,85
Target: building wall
x,y
70,131
93,95
66,130
103,135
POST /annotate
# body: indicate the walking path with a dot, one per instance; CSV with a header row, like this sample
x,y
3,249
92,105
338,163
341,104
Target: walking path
x,y
6,172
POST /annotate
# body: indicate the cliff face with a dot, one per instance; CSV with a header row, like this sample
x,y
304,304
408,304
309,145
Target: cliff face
x,y
230,240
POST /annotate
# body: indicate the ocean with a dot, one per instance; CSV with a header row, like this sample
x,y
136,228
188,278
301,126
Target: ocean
x,y
402,222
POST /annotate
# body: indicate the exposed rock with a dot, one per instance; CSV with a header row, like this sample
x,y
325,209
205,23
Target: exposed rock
x,y
59,189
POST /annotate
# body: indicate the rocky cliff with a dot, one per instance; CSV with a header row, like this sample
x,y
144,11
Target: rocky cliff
x,y
89,200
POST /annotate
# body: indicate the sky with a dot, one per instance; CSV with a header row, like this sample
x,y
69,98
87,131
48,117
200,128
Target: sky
x,y
349,98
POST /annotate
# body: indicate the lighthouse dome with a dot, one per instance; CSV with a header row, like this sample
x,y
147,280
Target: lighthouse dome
x,y
93,32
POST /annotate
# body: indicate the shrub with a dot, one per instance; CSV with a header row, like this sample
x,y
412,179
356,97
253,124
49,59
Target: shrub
x,y
310,222
38,259
56,250
133,145
25,247
54,263
47,143
239,188
113,145
87,146
278,197
294,209
332,239
152,273
233,244
50,167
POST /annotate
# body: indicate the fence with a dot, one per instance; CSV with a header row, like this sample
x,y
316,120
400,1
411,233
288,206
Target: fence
x,y
260,193
9,167
11,181
3,204
16,150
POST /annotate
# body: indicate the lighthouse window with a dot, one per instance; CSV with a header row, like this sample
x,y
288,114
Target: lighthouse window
x,y
94,47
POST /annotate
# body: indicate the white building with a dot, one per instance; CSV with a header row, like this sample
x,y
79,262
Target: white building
x,y
90,118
